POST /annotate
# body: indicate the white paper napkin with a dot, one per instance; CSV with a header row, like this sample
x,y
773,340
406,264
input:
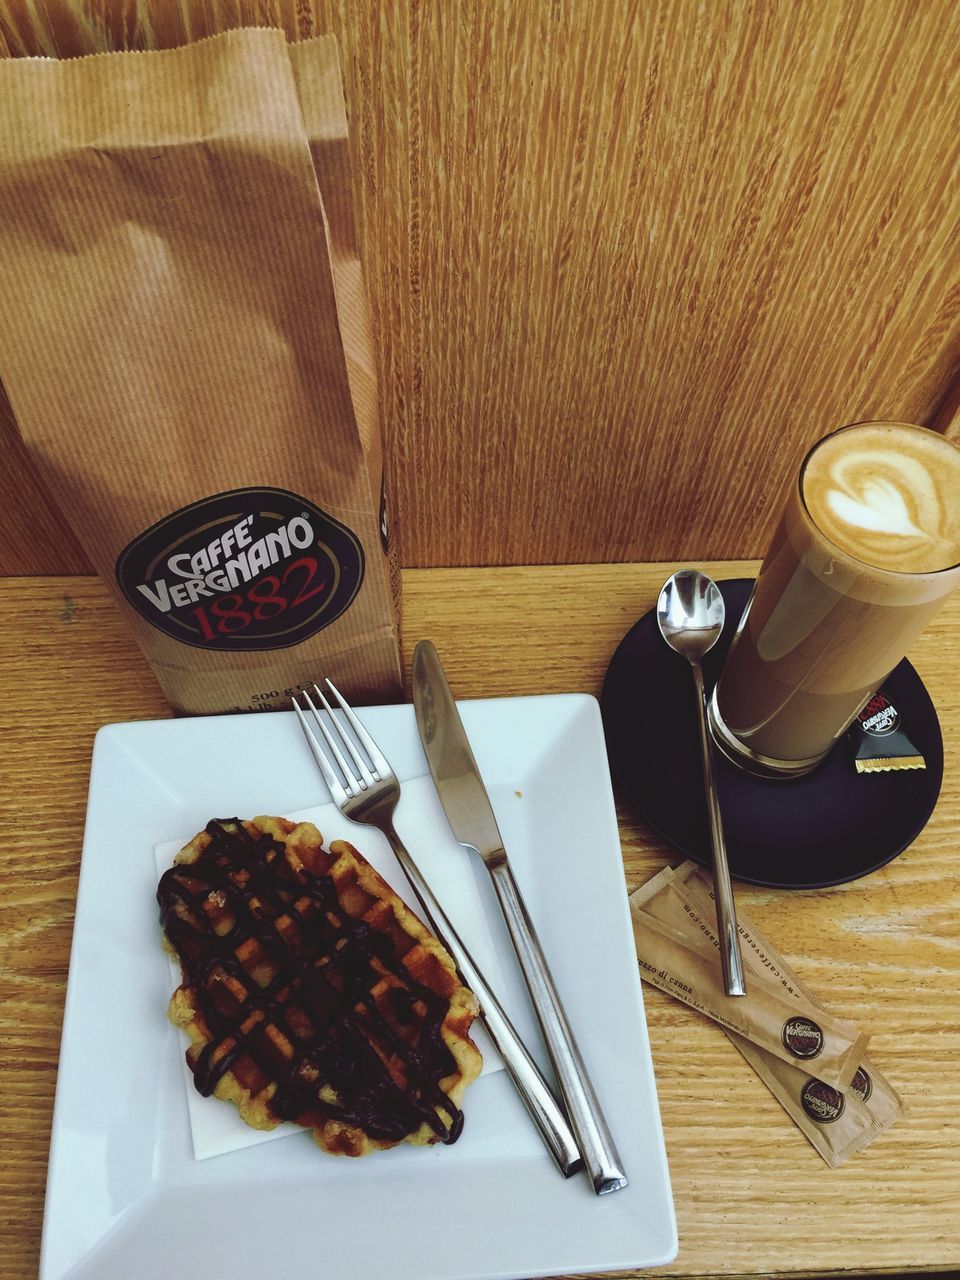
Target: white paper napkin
x,y
216,1126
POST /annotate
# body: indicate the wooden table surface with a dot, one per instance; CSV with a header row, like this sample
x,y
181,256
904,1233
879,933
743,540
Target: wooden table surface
x,y
752,1197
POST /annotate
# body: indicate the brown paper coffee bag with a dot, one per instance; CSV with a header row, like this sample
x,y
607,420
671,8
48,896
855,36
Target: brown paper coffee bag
x,y
185,343
316,69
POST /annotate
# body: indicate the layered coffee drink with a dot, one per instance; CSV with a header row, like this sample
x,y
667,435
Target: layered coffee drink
x,y
866,552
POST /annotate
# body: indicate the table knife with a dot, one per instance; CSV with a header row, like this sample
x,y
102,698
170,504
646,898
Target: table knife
x,y
467,806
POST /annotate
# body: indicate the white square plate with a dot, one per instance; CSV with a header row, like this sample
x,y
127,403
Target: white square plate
x,y
125,1195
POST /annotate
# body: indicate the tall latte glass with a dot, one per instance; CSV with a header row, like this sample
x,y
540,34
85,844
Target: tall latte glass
x,y
866,552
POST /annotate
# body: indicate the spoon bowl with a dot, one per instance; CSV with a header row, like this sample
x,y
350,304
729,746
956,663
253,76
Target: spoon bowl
x,y
690,613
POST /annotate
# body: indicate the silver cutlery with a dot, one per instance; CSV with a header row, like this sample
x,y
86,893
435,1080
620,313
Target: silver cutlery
x,y
690,617
467,806
366,790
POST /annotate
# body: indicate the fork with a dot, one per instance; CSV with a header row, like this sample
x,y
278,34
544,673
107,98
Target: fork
x,y
368,793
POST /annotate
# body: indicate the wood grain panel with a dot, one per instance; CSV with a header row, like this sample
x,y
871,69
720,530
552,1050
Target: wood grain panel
x,y
753,1199
619,249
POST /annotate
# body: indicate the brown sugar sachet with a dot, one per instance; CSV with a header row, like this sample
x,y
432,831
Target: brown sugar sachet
x,y
869,1083
186,347
684,964
836,1123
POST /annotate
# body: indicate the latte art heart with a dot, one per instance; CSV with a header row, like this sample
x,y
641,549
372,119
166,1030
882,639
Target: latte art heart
x,y
881,508
890,498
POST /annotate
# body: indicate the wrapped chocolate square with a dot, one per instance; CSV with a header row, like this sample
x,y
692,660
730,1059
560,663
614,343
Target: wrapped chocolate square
x,y
186,345
880,744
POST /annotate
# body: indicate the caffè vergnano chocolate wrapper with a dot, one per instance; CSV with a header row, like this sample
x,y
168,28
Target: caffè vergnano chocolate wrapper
x,y
879,742
185,342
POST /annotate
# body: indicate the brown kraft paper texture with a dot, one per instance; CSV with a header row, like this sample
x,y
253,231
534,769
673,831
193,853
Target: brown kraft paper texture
x,y
185,342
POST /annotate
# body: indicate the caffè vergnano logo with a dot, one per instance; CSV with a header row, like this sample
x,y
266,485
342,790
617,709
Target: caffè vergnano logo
x,y
253,568
802,1037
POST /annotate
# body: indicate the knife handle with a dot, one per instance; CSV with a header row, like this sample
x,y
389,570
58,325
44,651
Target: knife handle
x,y
546,1112
600,1155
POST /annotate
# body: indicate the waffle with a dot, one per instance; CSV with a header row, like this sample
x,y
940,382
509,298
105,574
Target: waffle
x,y
311,993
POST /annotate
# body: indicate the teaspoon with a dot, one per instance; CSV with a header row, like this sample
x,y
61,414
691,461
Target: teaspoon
x,y
690,616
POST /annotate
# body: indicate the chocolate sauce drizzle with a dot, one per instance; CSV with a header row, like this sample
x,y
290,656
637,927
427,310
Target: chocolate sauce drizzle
x,y
319,999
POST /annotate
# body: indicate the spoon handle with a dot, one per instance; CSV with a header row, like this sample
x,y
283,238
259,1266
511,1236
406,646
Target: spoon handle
x,y
722,891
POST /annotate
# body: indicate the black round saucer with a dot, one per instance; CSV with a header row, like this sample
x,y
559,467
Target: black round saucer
x,y
829,827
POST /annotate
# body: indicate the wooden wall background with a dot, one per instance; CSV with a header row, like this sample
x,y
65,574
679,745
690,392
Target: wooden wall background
x,y
628,258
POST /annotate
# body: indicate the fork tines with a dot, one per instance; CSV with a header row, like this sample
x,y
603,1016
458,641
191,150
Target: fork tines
x,y
347,783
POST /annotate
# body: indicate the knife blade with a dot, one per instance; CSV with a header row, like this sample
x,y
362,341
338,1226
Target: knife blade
x,y
467,806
